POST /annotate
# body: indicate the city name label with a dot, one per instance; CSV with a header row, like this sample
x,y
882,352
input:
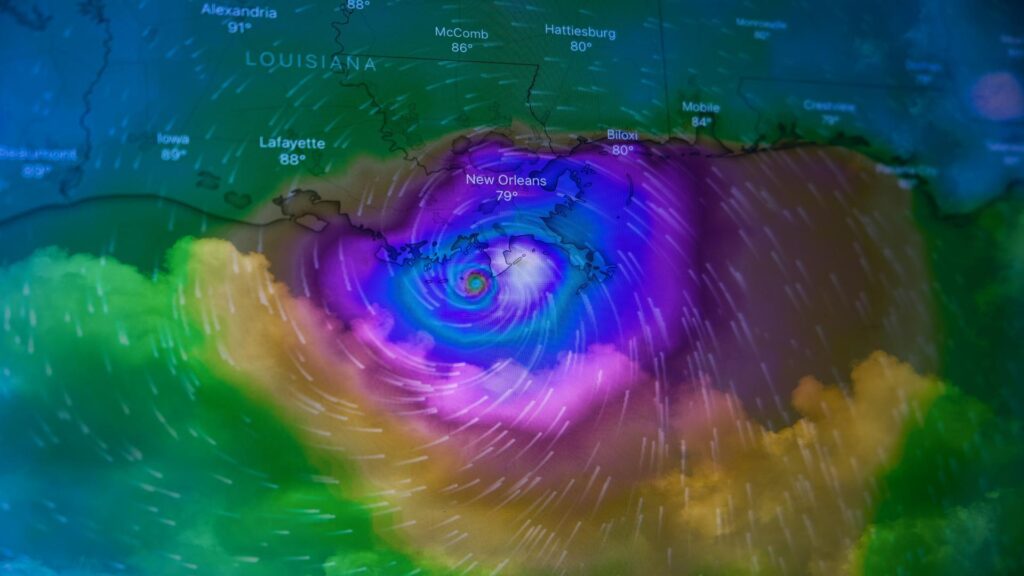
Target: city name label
x,y
702,113
291,155
504,180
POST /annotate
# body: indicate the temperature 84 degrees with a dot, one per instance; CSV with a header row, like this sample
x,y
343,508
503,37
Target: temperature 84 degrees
x,y
701,121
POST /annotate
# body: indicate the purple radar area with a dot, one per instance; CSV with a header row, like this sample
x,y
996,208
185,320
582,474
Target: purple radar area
x,y
521,287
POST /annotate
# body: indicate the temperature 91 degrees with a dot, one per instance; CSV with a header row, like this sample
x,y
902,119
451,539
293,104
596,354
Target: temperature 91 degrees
x,y
236,27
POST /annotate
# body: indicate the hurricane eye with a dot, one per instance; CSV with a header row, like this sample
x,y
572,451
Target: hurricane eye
x,y
475,284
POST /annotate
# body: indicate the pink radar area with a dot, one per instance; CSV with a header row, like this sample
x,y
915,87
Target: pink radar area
x,y
998,96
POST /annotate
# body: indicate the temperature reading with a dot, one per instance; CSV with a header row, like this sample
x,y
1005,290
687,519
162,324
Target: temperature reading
x,y
577,46
701,121
357,4
35,171
238,27
461,47
291,159
507,195
621,149
172,154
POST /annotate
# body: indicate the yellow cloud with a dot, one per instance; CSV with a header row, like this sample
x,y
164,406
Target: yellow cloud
x,y
713,488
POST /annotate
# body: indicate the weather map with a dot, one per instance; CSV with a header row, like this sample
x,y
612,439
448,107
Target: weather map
x,y
539,287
